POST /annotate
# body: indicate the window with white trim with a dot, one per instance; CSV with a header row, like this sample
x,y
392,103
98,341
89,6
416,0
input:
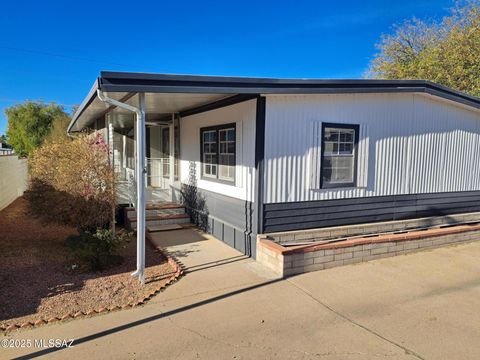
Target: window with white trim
x,y
226,160
339,155
218,145
209,147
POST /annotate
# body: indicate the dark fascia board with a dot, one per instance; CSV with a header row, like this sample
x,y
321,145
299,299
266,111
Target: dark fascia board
x,y
162,83
145,82
231,100
114,76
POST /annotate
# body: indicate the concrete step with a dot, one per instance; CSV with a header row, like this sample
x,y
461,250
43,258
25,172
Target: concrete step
x,y
131,215
158,206
157,228
162,220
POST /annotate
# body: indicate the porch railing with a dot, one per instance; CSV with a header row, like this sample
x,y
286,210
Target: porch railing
x,y
158,172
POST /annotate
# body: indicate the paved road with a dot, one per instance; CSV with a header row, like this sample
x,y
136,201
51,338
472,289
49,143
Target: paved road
x,y
417,306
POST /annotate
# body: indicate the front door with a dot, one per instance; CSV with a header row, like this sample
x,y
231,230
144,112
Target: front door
x,y
158,163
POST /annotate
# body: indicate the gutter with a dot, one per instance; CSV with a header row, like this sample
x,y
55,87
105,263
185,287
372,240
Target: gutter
x,y
140,171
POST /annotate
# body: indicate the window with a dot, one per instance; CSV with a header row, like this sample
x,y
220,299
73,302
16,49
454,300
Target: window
x,y
338,155
209,153
218,152
226,163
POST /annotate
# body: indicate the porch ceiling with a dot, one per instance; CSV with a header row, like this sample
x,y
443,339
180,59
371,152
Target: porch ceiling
x,y
156,105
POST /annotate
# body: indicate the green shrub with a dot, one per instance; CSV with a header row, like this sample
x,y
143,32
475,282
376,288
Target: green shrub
x,y
98,250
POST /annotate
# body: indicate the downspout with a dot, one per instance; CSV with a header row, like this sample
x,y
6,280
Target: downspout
x,y
171,150
111,159
140,172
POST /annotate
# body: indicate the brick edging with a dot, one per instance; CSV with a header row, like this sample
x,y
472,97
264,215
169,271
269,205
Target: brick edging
x,y
178,268
408,236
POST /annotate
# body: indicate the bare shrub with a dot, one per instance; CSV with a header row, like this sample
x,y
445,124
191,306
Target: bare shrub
x,y
72,182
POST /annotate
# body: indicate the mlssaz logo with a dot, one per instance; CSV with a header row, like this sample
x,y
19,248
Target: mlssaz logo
x,y
53,343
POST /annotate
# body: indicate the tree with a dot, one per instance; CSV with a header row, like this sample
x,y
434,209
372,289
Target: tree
x,y
446,52
59,127
30,123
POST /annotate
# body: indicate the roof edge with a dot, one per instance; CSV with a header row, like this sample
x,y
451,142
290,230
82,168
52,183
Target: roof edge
x,y
151,82
81,108
131,82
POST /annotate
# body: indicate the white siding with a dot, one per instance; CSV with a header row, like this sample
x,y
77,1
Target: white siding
x,y
243,114
409,143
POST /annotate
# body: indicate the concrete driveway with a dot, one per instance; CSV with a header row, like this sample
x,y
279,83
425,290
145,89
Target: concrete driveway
x,y
418,306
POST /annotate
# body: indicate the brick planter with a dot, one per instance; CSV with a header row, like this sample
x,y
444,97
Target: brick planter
x,y
299,259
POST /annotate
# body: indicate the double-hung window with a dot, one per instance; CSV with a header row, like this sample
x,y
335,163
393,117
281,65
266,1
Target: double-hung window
x,y
339,142
209,146
218,152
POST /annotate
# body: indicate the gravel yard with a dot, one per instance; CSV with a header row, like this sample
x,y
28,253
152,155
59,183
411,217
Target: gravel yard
x,y
36,280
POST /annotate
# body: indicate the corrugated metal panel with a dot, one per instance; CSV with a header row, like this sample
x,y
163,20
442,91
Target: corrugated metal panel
x,y
314,154
325,213
409,143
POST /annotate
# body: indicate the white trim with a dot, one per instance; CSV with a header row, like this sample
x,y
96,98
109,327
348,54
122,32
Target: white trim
x,y
243,115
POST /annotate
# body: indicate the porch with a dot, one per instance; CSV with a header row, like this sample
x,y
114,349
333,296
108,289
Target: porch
x,y
122,141
148,118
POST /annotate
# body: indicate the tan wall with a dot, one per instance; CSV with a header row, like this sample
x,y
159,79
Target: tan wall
x,y
13,179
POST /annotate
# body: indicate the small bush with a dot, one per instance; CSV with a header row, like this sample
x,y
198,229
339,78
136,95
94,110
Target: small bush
x,y
72,183
98,250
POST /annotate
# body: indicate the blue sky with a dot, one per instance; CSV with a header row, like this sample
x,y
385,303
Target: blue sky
x,y
53,50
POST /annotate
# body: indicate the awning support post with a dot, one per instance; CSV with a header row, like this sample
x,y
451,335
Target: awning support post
x,y
171,160
111,158
140,175
140,172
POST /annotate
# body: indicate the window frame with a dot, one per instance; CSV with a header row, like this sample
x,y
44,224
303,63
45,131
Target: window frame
x,y
217,176
203,164
356,128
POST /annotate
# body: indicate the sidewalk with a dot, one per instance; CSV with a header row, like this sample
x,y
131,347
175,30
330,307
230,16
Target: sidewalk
x,y
419,306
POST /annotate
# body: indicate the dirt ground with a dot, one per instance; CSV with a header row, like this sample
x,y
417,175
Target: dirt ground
x,y
36,280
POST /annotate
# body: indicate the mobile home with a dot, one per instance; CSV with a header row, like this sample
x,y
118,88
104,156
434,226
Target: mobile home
x,y
292,161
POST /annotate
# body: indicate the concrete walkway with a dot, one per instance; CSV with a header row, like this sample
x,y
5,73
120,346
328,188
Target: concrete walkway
x,y
418,306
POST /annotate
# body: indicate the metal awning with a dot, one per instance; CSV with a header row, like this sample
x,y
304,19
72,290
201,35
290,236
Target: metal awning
x,y
167,94
156,104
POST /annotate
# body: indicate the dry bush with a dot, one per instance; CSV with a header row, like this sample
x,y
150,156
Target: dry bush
x,y
72,182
